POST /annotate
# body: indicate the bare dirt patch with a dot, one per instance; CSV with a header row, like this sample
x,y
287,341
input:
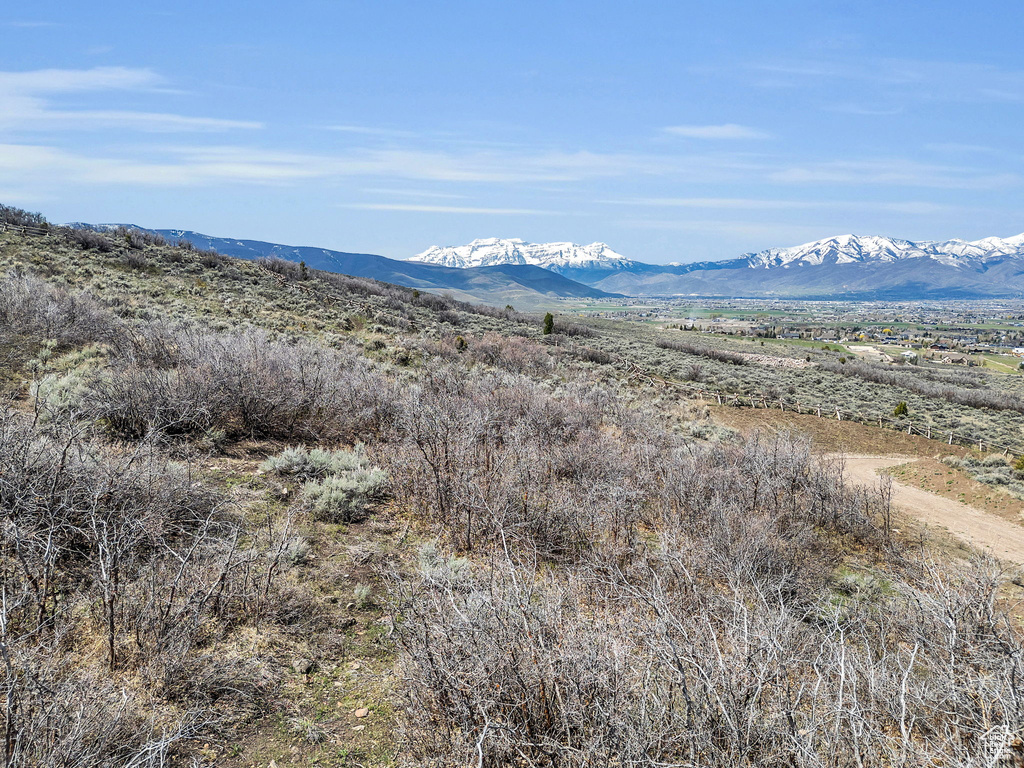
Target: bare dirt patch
x,y
831,435
981,529
948,482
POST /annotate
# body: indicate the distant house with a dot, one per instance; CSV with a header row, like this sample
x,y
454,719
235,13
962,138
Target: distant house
x,y
939,347
908,355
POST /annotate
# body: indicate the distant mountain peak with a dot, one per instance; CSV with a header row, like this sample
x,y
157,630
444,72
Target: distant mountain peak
x,y
866,249
493,251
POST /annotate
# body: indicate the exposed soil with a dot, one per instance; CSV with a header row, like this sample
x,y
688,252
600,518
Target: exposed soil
x,y
984,530
952,483
834,436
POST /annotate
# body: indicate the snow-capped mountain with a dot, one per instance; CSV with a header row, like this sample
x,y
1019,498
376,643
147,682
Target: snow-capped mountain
x,y
558,257
852,266
848,266
854,249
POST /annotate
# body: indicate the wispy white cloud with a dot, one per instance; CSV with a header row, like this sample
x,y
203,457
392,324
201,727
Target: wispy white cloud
x,y
447,209
858,109
952,147
907,79
893,173
413,193
30,24
68,80
727,131
751,204
364,130
734,203
205,164
26,102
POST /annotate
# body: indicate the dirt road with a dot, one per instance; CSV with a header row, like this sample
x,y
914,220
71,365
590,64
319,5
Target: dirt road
x,y
985,531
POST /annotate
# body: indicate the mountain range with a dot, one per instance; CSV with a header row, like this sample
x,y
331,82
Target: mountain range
x,y
557,257
847,266
522,285
500,271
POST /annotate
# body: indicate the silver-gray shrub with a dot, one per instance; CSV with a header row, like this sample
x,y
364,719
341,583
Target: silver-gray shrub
x,y
345,498
342,484
30,306
247,384
304,463
977,397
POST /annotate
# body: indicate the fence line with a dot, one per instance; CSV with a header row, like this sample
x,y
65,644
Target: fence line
x,y
5,227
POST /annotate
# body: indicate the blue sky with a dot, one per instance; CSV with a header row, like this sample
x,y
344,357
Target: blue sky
x,y
670,130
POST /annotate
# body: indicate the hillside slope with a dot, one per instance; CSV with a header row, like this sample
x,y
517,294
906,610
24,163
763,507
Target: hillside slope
x,y
522,285
257,515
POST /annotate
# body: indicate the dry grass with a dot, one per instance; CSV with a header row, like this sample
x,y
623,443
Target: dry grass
x,y
832,436
932,475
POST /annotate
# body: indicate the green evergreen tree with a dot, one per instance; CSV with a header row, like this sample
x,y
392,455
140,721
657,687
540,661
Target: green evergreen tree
x,y
549,323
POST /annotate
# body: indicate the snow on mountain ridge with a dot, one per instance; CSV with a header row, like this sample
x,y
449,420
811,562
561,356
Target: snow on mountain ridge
x,y
851,249
487,252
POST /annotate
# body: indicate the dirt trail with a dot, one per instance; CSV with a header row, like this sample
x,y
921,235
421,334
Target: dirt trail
x,y
985,531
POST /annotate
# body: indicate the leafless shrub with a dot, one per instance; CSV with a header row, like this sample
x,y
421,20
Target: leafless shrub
x,y
31,306
573,329
657,664
134,237
564,481
245,384
59,717
11,215
211,259
733,358
88,239
973,397
136,260
513,354
694,372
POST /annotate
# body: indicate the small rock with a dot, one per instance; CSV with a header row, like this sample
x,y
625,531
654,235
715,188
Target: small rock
x,y
358,727
272,764
362,712
302,666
